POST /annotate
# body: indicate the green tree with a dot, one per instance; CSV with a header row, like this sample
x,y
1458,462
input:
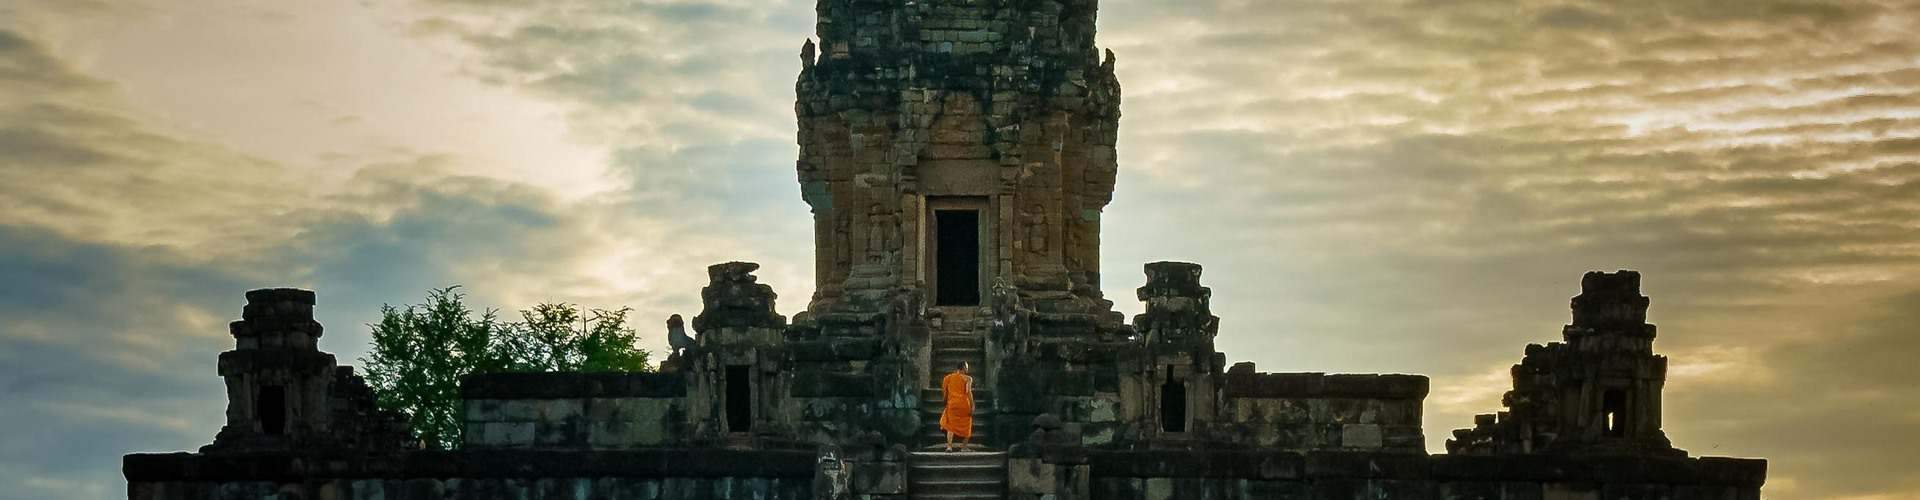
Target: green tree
x,y
559,337
420,353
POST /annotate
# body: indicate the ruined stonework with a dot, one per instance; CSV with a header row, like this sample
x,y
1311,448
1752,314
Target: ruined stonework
x,y
1598,392
283,393
957,156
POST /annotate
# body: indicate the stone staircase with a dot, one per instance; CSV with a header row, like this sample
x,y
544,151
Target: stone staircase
x,y
961,475
932,404
961,337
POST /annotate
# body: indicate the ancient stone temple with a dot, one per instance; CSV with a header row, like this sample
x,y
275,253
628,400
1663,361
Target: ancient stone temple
x,y
956,156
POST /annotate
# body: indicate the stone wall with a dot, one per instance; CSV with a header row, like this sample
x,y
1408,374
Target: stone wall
x,y
1328,475
489,474
1316,411
601,411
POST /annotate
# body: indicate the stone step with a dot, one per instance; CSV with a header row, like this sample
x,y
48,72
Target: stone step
x,y
931,413
974,354
965,341
921,459
932,421
949,325
940,369
939,366
960,487
939,439
969,474
960,474
938,397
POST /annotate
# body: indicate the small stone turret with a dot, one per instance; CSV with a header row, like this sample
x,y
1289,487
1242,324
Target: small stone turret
x,y
1178,308
1181,374
1598,392
733,298
1610,314
284,394
733,375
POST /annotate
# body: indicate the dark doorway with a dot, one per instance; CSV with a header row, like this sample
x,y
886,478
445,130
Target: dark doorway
x,y
271,407
1173,404
1613,405
957,257
739,399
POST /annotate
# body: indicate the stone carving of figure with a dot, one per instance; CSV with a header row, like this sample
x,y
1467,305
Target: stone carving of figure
x,y
1036,219
1006,302
677,337
842,241
882,228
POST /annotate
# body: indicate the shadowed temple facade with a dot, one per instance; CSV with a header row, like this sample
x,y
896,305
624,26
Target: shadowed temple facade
x,y
956,157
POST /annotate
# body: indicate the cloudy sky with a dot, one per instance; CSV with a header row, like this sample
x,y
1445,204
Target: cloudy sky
x,y
1380,186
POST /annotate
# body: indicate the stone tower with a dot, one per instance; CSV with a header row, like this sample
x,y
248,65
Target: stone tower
x,y
949,145
1596,392
283,393
278,381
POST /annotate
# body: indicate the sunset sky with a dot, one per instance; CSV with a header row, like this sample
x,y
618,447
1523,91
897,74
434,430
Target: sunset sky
x,y
1373,186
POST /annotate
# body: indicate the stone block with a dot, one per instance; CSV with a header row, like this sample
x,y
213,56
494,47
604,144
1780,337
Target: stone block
x,y
1030,476
569,432
509,434
1361,436
1520,491
369,489
879,478
1470,490
1570,491
1118,487
1616,491
1409,489
1275,490
518,410
1102,410
823,384
1159,488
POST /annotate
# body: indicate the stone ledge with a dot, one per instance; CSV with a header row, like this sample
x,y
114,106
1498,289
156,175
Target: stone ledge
x,y
289,466
1321,385
572,385
1411,466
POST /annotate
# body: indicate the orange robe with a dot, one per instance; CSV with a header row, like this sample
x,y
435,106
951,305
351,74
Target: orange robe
x,y
958,417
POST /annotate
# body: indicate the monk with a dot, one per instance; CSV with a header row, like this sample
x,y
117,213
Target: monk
x,y
957,420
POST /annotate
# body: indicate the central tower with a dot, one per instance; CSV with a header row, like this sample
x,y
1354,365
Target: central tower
x,y
951,146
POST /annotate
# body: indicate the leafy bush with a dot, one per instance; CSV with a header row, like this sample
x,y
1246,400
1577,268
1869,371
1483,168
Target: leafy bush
x,y
420,352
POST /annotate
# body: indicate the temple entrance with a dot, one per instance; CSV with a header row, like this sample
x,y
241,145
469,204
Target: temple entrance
x,y
271,407
1613,405
739,399
956,259
1173,404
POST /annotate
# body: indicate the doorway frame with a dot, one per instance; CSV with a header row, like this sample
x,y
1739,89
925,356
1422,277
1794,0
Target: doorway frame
x,y
988,242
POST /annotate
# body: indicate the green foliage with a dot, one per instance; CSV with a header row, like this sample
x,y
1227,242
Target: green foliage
x,y
420,353
558,338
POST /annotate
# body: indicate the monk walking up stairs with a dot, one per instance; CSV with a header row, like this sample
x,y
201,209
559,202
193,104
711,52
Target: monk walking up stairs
x,y
957,418
955,473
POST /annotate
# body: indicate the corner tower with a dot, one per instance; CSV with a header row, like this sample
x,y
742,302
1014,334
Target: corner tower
x,y
950,145
1598,392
